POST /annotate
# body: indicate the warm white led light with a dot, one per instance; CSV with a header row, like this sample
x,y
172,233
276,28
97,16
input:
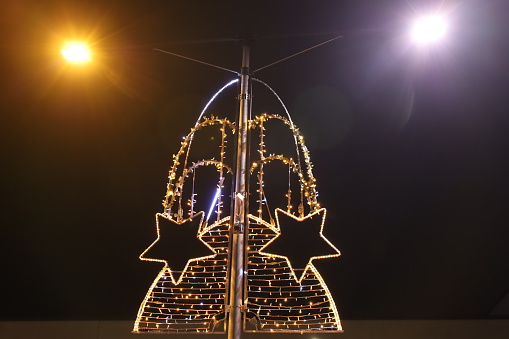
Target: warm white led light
x,y
321,212
284,299
199,235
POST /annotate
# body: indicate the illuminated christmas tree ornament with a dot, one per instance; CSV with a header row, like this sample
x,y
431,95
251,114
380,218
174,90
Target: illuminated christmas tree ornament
x,y
239,232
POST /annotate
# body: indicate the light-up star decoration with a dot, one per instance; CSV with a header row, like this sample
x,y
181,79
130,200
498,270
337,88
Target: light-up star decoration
x,y
178,244
284,291
300,241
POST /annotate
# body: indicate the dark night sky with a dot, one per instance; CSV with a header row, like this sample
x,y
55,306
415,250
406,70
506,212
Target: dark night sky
x,y
409,146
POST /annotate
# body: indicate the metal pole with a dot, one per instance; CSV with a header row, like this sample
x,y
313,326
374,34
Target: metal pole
x,y
238,228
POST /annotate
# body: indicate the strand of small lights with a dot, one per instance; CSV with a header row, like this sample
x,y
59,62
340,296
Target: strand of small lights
x,y
224,140
290,122
180,184
261,152
323,212
283,303
289,193
171,272
174,186
281,298
307,180
292,168
190,136
193,197
197,302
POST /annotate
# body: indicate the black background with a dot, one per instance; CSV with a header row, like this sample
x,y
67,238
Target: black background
x,y
409,146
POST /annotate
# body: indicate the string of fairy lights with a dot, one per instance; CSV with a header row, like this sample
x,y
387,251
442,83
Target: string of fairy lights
x,y
278,297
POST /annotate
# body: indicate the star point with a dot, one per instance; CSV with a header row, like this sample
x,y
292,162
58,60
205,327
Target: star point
x,y
178,244
300,240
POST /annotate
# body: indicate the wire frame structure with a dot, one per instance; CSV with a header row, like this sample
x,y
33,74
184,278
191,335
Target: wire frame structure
x,y
282,289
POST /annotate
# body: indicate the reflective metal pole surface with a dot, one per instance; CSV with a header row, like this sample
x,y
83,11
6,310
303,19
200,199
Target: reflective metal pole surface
x,y
239,219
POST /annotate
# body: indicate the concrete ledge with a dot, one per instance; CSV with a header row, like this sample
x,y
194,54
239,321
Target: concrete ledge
x,y
354,329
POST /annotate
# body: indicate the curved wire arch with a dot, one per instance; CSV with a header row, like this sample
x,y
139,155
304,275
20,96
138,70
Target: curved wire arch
x,y
213,98
286,111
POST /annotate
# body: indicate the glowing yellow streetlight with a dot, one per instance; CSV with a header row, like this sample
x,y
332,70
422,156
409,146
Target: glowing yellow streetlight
x,y
76,52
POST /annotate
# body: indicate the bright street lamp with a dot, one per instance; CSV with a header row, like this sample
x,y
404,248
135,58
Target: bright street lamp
x,y
76,52
429,29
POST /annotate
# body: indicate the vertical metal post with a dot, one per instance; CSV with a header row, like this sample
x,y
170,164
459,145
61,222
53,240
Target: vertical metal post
x,y
238,227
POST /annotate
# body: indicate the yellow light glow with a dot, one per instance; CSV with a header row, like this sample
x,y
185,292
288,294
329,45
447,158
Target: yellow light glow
x,y
76,52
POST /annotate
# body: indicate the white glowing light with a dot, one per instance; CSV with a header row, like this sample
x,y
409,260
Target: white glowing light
x,y
214,202
429,29
76,52
213,98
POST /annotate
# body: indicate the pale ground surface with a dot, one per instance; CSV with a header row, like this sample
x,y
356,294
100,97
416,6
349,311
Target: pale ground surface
x,y
354,329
